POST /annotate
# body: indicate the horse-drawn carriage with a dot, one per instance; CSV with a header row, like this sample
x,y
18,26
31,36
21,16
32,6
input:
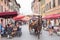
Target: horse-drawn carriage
x,y
36,24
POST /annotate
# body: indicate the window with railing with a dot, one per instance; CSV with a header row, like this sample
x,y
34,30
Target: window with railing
x,y
58,2
42,2
49,5
43,9
1,0
9,0
46,7
5,9
39,0
53,3
5,1
1,8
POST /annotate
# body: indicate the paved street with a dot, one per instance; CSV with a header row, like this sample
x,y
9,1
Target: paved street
x,y
26,35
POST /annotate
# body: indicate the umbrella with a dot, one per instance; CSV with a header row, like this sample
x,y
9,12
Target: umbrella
x,y
18,17
26,19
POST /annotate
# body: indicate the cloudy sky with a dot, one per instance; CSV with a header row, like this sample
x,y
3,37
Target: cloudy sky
x,y
25,6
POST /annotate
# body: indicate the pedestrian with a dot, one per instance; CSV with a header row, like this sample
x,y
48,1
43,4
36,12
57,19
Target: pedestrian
x,y
18,26
9,30
51,27
14,31
1,27
52,24
18,29
0,30
44,24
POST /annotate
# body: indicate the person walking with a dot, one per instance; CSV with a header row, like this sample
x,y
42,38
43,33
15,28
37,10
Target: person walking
x,y
1,26
51,27
0,30
52,24
9,30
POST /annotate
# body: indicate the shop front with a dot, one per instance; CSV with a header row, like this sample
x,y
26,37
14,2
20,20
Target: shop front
x,y
55,17
7,16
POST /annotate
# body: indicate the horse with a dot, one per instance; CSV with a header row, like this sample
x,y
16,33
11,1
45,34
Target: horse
x,y
39,26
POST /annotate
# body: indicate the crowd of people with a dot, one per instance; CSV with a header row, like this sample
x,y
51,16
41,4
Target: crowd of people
x,y
52,28
10,30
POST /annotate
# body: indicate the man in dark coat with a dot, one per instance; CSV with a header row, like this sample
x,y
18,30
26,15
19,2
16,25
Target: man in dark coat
x,y
9,30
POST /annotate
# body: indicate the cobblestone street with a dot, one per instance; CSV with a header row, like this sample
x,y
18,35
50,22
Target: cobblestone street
x,y
26,35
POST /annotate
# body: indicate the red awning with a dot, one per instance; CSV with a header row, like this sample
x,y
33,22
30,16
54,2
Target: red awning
x,y
8,14
52,16
56,16
19,17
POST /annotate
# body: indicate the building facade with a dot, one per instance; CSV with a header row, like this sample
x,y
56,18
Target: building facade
x,y
49,7
8,6
35,6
